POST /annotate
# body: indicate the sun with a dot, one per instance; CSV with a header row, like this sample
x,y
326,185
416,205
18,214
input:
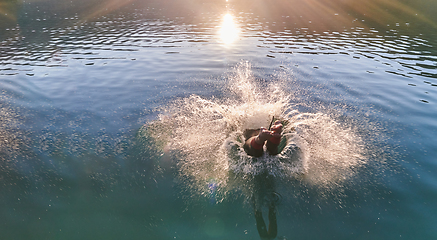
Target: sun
x,y
228,30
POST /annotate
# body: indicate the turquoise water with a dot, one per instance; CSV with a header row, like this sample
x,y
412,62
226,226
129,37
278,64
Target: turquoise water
x,y
116,118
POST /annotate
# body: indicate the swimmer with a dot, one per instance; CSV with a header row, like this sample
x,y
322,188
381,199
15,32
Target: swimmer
x,y
256,138
254,146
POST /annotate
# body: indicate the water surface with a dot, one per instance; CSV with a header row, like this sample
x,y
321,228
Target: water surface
x,y
80,80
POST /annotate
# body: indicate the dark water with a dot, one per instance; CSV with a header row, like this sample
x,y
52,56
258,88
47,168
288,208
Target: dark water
x,y
80,78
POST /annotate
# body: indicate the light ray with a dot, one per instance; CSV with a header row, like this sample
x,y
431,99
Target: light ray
x,y
8,11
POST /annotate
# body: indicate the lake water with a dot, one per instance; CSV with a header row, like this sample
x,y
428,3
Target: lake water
x,y
116,118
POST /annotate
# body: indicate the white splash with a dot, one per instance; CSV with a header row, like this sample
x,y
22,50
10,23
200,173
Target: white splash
x,y
205,136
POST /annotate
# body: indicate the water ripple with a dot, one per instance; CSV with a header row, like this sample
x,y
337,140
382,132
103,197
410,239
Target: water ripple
x,y
74,39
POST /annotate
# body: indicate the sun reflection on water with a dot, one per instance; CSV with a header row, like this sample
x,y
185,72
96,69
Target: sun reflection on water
x,y
228,30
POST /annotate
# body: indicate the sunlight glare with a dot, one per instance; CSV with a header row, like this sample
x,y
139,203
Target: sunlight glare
x,y
228,31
